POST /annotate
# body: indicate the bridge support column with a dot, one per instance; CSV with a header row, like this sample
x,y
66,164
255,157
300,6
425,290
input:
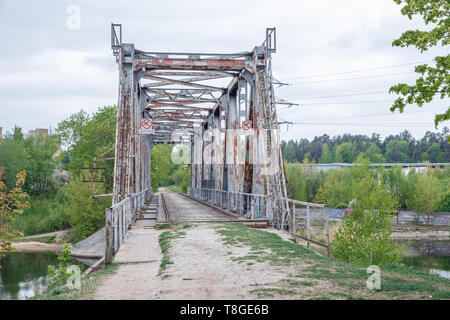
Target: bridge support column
x,y
122,163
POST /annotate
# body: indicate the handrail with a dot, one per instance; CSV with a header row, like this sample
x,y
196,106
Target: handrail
x,y
119,217
252,205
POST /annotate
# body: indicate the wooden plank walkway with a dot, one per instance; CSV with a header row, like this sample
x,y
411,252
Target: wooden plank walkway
x,y
183,209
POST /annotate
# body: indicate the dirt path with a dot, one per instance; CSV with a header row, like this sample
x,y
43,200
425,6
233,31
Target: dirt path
x,y
202,269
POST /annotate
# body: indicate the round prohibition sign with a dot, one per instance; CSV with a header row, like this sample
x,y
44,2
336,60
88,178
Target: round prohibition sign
x,y
147,123
246,125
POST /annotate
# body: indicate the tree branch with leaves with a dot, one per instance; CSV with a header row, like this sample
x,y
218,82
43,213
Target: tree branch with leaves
x,y
434,80
11,204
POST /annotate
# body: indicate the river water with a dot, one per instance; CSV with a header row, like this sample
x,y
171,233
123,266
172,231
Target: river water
x,y
22,274
430,255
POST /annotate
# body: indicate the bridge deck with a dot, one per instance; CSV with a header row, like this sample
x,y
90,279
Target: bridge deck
x,y
183,209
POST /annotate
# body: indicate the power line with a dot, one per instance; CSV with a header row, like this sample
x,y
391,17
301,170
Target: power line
x,y
429,110
352,78
344,102
367,124
356,71
340,95
348,95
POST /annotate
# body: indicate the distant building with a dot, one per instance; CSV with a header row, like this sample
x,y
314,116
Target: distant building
x,y
37,132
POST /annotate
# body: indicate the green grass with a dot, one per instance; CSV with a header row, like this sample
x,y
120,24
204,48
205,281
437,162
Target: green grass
x,y
173,225
176,189
43,216
165,240
45,239
397,281
88,286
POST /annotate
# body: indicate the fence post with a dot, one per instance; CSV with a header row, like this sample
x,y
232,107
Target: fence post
x,y
294,219
325,211
108,236
308,226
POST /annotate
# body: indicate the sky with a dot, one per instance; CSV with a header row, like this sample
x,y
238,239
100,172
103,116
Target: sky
x,y
51,66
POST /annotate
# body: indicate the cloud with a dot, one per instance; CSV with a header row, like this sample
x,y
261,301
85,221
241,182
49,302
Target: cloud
x,y
48,71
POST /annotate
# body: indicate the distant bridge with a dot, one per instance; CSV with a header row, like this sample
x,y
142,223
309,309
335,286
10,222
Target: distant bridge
x,y
404,166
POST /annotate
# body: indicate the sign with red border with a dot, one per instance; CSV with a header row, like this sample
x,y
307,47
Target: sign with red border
x,y
246,125
146,124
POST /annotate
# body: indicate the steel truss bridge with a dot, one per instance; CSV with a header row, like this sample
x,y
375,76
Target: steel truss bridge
x,y
220,111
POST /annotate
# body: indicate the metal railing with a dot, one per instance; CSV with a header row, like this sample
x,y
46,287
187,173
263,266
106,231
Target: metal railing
x,y
119,218
260,206
249,205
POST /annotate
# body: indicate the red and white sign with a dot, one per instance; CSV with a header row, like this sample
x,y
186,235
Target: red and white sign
x,y
146,124
246,125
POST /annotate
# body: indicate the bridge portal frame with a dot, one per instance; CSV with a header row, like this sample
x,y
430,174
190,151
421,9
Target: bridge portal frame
x,y
180,94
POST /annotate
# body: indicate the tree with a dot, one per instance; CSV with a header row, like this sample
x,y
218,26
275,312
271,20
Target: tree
x,y
434,80
87,137
373,154
11,204
397,151
326,156
161,165
296,182
307,158
70,129
289,152
363,237
427,194
86,214
346,152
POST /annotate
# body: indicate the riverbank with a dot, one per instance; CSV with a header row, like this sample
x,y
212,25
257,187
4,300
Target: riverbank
x,y
414,232
231,261
44,242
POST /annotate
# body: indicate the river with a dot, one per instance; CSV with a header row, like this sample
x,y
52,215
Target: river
x,y
22,274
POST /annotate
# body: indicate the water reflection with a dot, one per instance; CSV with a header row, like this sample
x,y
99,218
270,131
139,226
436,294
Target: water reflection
x,y
430,255
24,274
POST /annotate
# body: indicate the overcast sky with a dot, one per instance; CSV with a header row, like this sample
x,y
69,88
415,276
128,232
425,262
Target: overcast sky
x,y
49,71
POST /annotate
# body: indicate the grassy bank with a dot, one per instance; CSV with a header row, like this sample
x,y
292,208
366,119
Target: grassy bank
x,y
88,286
330,278
42,216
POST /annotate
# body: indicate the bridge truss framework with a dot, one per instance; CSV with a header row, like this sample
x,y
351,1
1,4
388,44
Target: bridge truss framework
x,y
184,96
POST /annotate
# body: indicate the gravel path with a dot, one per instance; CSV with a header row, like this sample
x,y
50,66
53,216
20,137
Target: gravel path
x,y
202,269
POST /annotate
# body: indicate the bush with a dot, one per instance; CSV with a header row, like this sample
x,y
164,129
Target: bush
x,y
363,237
86,214
444,204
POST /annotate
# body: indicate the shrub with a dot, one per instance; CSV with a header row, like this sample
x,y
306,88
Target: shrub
x,y
86,214
363,236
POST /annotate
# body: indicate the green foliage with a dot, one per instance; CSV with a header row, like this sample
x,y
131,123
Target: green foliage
x,y
296,181
363,237
346,152
373,154
444,204
432,147
434,80
59,274
33,155
161,164
426,193
397,151
86,214
87,137
12,202
45,214
326,156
